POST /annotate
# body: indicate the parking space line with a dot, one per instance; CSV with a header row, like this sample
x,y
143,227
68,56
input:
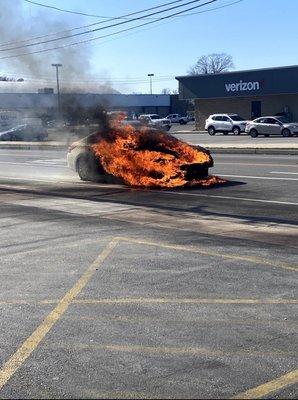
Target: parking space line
x,y
270,387
32,342
166,350
151,300
254,260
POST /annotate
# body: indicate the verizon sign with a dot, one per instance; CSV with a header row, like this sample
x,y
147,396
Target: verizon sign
x,y
242,86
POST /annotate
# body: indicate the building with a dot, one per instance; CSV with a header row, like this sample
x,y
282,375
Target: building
x,y
38,103
251,93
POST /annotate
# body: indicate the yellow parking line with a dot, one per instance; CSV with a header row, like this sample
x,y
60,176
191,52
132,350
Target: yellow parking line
x,y
267,388
254,260
20,356
167,350
150,300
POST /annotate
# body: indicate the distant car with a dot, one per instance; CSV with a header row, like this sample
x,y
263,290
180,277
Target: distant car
x,y
155,121
225,123
272,126
177,118
24,133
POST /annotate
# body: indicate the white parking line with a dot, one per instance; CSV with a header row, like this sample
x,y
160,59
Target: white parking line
x,y
285,173
259,177
232,198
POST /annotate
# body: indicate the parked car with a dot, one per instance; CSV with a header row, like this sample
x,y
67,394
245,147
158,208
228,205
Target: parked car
x,y
24,133
177,118
225,123
272,126
154,121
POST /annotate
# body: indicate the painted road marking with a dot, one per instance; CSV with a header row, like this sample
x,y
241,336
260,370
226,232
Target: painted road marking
x,y
255,164
285,173
254,260
232,198
20,356
259,177
151,300
40,163
268,388
166,350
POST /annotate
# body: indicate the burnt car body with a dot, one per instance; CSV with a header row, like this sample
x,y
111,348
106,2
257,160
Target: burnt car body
x,y
82,159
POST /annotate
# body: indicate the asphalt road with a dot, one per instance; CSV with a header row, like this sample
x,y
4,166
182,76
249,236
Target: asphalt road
x,y
108,291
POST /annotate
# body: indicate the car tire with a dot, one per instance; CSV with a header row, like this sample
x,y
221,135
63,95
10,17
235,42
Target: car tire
x,y
254,133
211,130
286,133
266,135
86,168
236,130
182,122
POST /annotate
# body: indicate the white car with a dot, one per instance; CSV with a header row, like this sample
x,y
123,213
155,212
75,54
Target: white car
x,y
154,121
177,118
225,123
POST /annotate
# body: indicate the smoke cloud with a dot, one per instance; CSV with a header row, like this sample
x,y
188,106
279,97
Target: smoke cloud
x,y
20,21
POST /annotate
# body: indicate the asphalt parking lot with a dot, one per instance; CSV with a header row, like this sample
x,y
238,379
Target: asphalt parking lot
x,y
108,291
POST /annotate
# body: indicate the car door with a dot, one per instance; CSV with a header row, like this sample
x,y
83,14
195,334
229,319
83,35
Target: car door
x,y
273,126
226,124
261,126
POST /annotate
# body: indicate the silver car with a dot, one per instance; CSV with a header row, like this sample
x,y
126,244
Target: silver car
x,y
271,126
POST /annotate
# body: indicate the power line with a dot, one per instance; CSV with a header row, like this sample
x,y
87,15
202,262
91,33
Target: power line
x,y
102,28
126,16
108,35
111,19
100,37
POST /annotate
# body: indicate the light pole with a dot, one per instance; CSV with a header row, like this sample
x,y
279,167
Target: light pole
x,y
58,88
150,77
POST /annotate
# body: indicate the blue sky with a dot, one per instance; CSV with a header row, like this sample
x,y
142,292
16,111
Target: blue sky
x,y
257,33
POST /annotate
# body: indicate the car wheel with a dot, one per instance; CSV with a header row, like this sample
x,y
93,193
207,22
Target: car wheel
x,y
266,135
225,133
13,138
86,168
236,130
182,122
254,133
286,133
211,130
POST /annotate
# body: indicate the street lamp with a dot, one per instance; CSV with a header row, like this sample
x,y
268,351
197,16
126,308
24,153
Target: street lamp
x,y
58,89
150,77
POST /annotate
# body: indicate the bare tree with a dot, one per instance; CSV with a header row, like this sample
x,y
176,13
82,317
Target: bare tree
x,y
215,63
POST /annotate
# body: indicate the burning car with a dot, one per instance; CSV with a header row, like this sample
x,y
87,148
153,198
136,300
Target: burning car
x,y
141,157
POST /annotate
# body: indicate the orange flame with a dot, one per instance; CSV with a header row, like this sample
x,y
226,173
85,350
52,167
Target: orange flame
x,y
144,157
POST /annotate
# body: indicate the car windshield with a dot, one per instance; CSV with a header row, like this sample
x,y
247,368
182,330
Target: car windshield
x,y
155,117
283,120
236,118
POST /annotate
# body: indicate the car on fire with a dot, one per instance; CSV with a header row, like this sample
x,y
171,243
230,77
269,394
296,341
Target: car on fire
x,y
82,159
155,121
278,125
24,132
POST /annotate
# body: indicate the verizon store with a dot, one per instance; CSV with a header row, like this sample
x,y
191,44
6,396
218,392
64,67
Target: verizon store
x,y
251,94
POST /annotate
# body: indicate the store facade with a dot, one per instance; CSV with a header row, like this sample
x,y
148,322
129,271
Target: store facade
x,y
251,93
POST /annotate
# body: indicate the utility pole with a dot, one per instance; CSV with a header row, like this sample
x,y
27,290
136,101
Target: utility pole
x,y
150,77
58,88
